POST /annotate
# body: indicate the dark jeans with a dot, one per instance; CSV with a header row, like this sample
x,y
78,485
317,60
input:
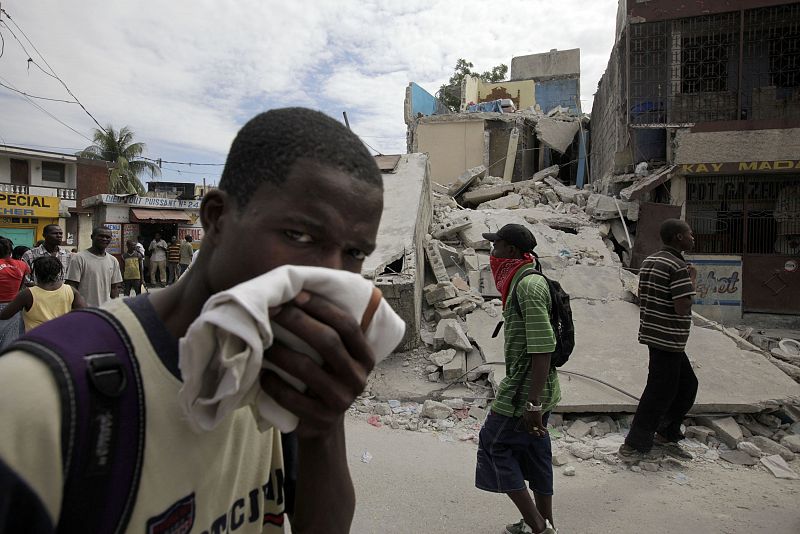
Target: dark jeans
x,y
127,285
668,396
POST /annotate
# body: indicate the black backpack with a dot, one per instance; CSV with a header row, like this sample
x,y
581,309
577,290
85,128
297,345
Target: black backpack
x,y
560,318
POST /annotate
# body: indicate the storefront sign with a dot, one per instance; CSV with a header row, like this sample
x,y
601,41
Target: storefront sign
x,y
719,286
195,232
130,232
14,205
115,247
741,167
145,202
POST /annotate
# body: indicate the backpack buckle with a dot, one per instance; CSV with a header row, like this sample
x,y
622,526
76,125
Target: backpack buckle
x,y
106,373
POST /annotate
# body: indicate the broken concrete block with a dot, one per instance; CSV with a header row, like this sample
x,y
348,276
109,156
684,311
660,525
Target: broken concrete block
x,y
428,314
456,368
581,450
488,286
474,364
450,256
474,278
508,202
770,447
791,442
477,413
470,260
443,314
737,457
460,283
603,208
749,448
556,134
560,458
566,194
435,293
553,170
618,231
449,303
382,408
463,182
450,334
485,194
434,377
456,404
450,227
600,429
442,357
472,236
604,229
435,410
435,260
779,468
551,197
579,429
569,471
726,429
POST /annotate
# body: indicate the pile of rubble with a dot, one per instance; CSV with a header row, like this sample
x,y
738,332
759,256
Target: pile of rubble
x,y
771,441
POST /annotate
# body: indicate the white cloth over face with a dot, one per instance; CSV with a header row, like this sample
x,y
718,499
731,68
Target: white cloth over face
x,y
222,354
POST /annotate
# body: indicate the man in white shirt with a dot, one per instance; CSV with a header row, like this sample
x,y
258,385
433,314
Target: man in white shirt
x,y
93,272
158,260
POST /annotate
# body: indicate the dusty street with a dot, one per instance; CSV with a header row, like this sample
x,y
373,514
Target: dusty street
x,y
417,483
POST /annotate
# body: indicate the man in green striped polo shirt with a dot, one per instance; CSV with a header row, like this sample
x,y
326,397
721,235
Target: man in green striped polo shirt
x,y
514,445
666,287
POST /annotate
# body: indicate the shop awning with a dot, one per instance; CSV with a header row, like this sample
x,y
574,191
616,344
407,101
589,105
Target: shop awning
x,y
143,215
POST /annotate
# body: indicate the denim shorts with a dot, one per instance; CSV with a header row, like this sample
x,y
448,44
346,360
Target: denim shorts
x,y
508,456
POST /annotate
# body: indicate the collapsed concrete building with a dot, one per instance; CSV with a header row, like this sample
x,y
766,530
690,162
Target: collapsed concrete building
x,y
398,264
514,128
698,116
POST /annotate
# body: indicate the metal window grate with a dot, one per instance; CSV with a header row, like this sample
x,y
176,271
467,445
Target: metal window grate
x,y
744,214
771,63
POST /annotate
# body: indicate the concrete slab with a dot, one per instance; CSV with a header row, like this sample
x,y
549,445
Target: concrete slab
x,y
406,204
558,135
731,380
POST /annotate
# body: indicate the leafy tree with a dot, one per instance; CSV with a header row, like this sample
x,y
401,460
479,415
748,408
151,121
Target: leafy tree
x,y
118,148
450,93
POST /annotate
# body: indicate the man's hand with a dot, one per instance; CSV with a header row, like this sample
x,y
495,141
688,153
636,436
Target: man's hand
x,y
333,386
533,423
692,272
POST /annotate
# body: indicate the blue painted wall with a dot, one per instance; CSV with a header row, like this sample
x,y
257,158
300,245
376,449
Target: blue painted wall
x,y
554,93
425,103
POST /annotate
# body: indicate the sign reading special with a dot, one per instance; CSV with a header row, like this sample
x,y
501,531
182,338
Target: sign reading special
x,y
17,205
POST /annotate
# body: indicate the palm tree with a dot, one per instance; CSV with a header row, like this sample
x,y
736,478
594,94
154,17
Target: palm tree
x,y
118,148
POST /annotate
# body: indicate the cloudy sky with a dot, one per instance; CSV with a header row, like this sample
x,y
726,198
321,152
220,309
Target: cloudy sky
x,y
185,75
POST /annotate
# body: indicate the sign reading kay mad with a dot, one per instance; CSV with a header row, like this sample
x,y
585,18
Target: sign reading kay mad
x,y
719,279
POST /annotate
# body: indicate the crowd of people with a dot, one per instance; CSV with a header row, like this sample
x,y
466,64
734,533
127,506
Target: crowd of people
x,y
242,477
44,282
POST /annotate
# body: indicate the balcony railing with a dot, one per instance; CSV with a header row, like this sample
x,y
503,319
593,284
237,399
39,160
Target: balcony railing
x,y
63,194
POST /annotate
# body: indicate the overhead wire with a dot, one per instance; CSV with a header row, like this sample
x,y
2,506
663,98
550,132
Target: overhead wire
x,y
52,72
11,88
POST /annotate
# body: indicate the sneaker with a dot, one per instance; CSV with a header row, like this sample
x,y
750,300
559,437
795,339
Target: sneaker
x,y
672,448
522,527
518,528
628,454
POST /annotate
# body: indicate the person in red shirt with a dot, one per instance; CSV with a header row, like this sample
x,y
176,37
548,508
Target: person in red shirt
x,y
12,277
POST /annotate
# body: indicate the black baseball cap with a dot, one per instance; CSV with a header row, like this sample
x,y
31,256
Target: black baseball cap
x,y
514,234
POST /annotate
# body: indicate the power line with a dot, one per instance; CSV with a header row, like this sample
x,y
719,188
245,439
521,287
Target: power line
x,y
34,96
54,75
190,163
179,171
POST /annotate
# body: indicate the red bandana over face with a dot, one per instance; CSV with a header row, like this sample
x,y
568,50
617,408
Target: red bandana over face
x,y
503,271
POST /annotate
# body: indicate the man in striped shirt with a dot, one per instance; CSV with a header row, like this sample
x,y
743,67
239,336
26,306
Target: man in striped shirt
x,y
666,287
514,445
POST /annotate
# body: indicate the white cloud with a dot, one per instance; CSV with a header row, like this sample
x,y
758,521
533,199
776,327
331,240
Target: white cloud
x,y
185,75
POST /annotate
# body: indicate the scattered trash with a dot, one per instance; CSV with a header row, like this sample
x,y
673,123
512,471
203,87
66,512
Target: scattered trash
x,y
680,478
375,421
366,457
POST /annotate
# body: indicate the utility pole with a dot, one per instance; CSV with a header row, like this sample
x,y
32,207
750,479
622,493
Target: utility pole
x,y
347,122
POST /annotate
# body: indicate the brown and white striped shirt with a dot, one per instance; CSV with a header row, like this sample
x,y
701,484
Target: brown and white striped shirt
x,y
663,278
